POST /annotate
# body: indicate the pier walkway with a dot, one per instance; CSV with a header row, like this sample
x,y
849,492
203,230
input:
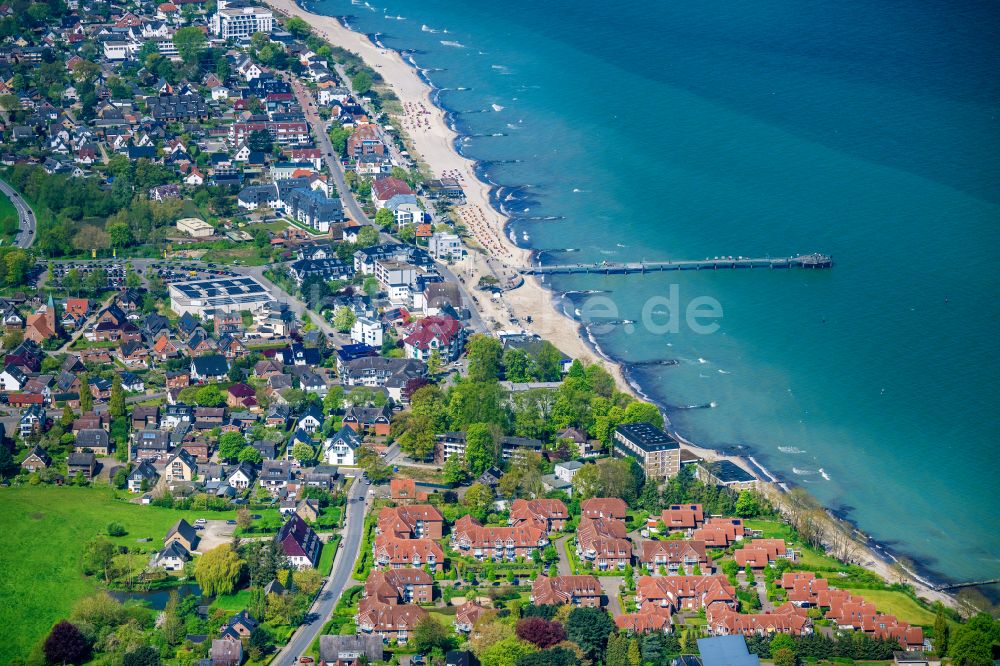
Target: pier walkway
x,y
715,263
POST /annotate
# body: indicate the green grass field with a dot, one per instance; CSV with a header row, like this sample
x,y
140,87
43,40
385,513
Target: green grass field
x,y
45,529
898,604
233,602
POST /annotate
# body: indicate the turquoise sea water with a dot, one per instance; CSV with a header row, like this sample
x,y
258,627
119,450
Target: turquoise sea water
x,y
865,129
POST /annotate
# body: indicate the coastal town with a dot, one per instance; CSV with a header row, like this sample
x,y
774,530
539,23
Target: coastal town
x,y
274,392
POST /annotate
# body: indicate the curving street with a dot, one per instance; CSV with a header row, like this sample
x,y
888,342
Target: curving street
x,y
338,581
26,236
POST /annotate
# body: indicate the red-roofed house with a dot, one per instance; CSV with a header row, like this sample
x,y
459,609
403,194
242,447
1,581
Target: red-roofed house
x,y
384,189
720,532
551,513
760,552
497,543
603,542
241,395
445,334
650,618
684,592
395,553
390,621
604,507
682,516
400,586
416,521
675,554
467,615
785,619
558,590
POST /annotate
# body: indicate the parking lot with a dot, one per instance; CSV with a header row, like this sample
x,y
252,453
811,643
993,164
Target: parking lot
x,y
214,533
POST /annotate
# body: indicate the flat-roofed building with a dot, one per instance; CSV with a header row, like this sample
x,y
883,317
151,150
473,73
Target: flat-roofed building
x,y
201,297
195,228
726,473
658,453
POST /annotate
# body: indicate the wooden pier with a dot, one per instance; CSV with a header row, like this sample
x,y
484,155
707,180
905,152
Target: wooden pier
x,y
713,264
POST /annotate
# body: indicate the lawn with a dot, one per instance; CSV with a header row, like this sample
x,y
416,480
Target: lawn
x,y
45,529
326,556
233,602
248,255
899,604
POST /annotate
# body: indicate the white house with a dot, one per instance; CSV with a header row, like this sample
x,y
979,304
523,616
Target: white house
x,y
171,558
220,92
567,470
367,332
241,478
340,449
12,379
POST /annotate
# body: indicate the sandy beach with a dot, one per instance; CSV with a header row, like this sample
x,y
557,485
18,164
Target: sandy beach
x,y
434,141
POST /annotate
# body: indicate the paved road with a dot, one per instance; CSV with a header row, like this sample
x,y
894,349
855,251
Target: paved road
x,y
563,566
335,168
26,236
611,585
338,581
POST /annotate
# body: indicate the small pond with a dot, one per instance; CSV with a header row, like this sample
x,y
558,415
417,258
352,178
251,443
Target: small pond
x,y
156,599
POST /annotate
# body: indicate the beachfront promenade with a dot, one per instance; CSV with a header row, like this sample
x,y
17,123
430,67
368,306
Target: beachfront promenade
x,y
716,263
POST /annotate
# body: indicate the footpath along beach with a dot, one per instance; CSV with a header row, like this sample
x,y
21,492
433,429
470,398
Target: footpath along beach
x,y
435,142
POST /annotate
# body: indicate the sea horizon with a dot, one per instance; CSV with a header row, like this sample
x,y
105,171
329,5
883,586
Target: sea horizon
x,y
491,114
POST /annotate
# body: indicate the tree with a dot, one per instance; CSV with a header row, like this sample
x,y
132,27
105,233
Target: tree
x,y
974,642
231,445
116,403
783,657
260,140
506,652
434,362
557,656
643,412
116,530
86,397
485,354
372,464
297,27
746,504
250,455
540,631
618,478
480,448
218,570
589,628
243,519
333,401
587,482
548,363
209,396
517,367
143,656
362,83
343,319
66,645
941,630
479,500
368,236
384,218
429,634
453,472
190,42
303,452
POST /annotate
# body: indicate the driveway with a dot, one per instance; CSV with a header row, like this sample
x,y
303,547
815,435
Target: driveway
x,y
338,581
215,533
612,585
564,567
26,216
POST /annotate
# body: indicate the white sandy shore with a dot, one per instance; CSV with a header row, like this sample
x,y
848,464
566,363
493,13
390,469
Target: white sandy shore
x,y
434,141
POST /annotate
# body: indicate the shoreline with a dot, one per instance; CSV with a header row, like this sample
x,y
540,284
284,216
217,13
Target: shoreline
x,y
437,142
